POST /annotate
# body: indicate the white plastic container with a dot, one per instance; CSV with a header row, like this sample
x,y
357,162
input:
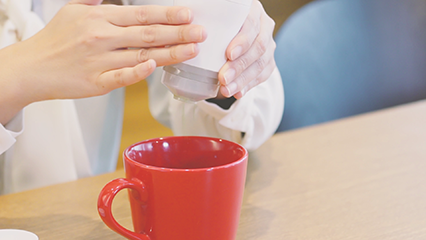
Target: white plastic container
x,y
197,78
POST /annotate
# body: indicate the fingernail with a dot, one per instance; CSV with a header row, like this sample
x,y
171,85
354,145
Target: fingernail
x,y
227,92
149,65
240,94
236,52
229,75
232,88
152,64
190,49
184,15
197,33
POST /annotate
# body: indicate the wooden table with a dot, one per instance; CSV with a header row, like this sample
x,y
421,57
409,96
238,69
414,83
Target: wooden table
x,y
359,178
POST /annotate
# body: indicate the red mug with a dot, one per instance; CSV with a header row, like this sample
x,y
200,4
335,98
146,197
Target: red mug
x,y
180,188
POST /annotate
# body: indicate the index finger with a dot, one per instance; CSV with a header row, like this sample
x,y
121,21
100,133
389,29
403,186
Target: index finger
x,y
147,14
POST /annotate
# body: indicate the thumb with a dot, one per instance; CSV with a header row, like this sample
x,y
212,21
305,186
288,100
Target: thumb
x,y
87,2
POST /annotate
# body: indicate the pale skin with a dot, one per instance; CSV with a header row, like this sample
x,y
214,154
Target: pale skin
x,y
99,52
84,51
250,54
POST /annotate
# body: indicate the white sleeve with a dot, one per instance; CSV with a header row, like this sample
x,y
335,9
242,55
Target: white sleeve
x,y
257,114
10,131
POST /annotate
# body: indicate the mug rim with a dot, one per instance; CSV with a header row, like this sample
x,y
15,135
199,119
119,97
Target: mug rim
x,y
163,169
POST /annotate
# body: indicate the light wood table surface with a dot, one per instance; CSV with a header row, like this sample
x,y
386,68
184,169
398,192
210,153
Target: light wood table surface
x,y
362,177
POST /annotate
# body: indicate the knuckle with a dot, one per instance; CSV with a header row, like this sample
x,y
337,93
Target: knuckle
x,y
173,53
170,13
261,64
142,15
149,34
251,21
119,77
143,55
246,42
274,45
95,13
243,79
242,64
254,23
90,38
261,46
181,33
90,35
136,74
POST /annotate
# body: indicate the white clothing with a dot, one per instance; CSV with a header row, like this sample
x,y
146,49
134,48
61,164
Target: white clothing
x,y
257,114
62,140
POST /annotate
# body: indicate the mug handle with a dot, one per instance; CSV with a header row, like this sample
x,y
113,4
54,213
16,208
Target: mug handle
x,y
106,196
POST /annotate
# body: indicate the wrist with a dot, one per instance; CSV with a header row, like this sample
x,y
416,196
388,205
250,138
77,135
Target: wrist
x,y
13,94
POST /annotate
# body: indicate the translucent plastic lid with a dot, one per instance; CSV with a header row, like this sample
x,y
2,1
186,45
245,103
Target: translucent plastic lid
x,y
189,83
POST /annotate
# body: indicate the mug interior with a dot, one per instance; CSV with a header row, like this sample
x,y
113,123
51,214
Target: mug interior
x,y
185,152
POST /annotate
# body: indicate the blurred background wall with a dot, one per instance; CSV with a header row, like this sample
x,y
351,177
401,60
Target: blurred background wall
x,y
340,58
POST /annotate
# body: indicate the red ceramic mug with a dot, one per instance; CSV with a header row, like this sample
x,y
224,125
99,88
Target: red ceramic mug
x,y
180,188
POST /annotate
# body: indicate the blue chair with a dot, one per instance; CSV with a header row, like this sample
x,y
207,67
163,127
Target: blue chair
x,y
339,58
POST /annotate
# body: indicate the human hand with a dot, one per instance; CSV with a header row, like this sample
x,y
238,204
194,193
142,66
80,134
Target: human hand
x,y
250,55
89,49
